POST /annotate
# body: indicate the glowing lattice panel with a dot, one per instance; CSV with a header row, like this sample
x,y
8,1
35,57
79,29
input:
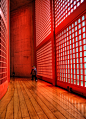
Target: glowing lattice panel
x,y
44,61
43,20
63,8
4,8
71,53
3,41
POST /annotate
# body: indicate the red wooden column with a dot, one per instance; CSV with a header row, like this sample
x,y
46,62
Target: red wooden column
x,y
8,42
35,63
53,42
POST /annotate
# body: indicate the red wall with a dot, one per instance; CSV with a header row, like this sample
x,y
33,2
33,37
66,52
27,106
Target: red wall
x,y
21,41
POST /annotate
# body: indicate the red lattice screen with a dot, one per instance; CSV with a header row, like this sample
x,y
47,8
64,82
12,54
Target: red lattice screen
x,y
43,20
64,8
4,9
71,53
3,41
44,61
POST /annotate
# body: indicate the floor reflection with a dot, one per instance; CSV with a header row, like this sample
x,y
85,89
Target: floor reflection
x,y
30,99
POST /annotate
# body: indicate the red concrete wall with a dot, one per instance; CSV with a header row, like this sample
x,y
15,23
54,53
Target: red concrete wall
x,y
21,41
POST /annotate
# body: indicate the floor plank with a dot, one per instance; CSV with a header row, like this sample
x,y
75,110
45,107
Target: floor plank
x,y
23,106
59,104
9,113
62,104
37,107
17,112
27,99
30,107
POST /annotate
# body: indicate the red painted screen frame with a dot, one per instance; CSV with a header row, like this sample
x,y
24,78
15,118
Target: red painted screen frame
x,y
69,20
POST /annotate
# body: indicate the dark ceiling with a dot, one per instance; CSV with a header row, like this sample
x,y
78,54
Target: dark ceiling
x,y
15,4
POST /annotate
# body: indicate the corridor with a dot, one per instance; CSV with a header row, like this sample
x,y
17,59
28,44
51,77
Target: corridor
x,y
27,99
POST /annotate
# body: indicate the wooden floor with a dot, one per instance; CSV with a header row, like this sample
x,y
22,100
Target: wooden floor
x,y
26,99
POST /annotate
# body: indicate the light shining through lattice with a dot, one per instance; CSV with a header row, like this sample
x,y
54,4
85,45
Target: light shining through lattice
x,y
3,41
63,8
71,53
43,20
44,61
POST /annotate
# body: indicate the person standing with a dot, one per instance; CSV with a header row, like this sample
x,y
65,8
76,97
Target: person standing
x,y
35,73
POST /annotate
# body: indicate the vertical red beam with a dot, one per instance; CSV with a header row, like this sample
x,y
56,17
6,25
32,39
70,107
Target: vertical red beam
x,y
34,28
53,41
8,54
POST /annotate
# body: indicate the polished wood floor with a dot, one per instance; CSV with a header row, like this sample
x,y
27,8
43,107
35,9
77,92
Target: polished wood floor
x,y
27,99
